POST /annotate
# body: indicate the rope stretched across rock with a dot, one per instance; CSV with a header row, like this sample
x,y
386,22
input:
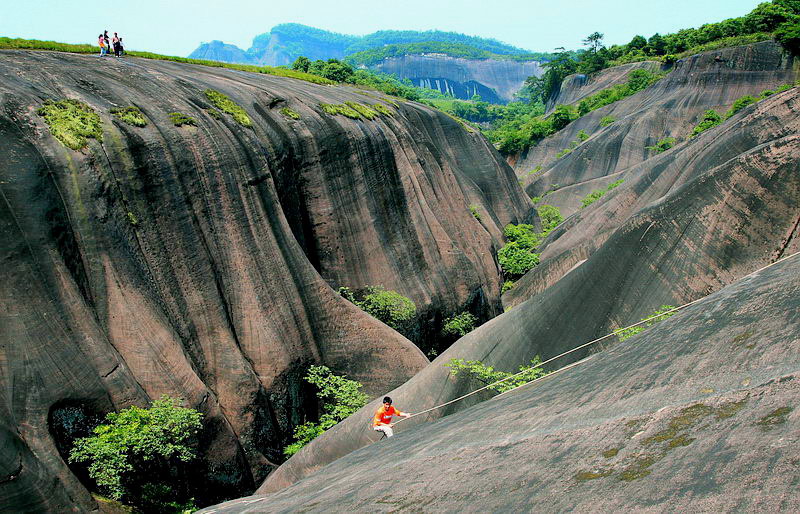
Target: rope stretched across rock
x,y
595,341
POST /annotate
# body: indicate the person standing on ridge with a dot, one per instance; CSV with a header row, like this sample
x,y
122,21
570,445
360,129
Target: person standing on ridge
x,y
382,421
102,43
115,42
108,42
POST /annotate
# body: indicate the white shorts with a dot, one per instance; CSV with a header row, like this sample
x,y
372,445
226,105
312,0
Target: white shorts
x,y
386,429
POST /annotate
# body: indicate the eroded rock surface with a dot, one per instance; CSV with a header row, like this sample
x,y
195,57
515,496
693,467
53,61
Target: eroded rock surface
x,y
192,261
699,413
670,108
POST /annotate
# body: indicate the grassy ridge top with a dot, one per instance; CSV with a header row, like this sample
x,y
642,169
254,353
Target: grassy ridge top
x,y
54,46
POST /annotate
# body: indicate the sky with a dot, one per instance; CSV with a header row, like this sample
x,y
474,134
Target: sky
x,y
177,28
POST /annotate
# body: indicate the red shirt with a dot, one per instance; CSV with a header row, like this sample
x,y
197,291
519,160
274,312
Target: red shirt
x,y
384,415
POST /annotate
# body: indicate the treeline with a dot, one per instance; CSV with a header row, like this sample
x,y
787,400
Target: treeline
x,y
778,18
376,55
340,71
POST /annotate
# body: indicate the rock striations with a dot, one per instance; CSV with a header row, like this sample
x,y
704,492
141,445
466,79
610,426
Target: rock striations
x,y
697,414
195,260
685,224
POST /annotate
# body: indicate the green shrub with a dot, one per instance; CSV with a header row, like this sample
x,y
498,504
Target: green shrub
x,y
638,80
459,325
663,145
508,285
225,104
132,219
535,171
363,110
135,438
740,104
582,136
516,260
131,115
474,210
487,374
711,119
289,113
536,199
626,333
551,217
607,120
340,398
390,307
599,193
179,119
71,122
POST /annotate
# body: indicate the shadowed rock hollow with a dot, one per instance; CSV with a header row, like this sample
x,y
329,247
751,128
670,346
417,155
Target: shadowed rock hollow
x,y
193,261
699,413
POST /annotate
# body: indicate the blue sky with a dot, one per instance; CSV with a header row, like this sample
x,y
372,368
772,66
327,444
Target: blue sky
x,y
177,28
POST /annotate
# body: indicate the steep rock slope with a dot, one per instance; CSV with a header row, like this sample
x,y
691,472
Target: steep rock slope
x,y
494,80
743,177
697,414
729,217
166,259
670,108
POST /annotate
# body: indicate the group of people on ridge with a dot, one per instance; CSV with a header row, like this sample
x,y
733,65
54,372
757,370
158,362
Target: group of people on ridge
x,y
107,44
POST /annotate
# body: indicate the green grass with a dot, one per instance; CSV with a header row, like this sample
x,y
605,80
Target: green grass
x,y
179,119
363,110
382,109
35,44
289,113
340,109
72,122
131,115
356,111
225,104
599,193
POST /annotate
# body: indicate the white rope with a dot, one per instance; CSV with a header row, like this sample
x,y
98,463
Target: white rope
x,y
595,341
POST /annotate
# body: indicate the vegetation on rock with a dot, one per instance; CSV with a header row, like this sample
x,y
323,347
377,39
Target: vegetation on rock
x,y
519,255
658,315
340,398
459,325
388,306
71,122
599,193
179,119
135,454
488,375
222,102
662,145
131,115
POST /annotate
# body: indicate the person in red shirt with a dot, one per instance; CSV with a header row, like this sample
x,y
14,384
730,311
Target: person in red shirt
x,y
382,421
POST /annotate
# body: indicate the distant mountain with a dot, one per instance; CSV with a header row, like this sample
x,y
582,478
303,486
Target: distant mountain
x,y
288,41
394,51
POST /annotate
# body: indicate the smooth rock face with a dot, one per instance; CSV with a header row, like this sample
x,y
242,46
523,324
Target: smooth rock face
x,y
735,189
670,108
699,413
697,228
186,261
494,80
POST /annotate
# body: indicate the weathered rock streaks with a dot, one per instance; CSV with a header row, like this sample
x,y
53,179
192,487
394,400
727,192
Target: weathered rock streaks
x,y
193,261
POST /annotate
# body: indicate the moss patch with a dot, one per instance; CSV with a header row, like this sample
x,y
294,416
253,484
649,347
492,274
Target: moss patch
x,y
288,113
730,409
741,341
585,476
222,102
774,418
611,453
640,468
130,115
179,119
214,113
340,109
382,109
71,122
132,219
363,110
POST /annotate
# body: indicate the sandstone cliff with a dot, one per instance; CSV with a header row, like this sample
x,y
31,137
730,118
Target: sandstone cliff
x,y
670,108
192,261
495,81
701,229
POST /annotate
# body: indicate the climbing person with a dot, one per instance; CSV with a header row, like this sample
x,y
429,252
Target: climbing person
x,y
115,42
382,422
102,43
